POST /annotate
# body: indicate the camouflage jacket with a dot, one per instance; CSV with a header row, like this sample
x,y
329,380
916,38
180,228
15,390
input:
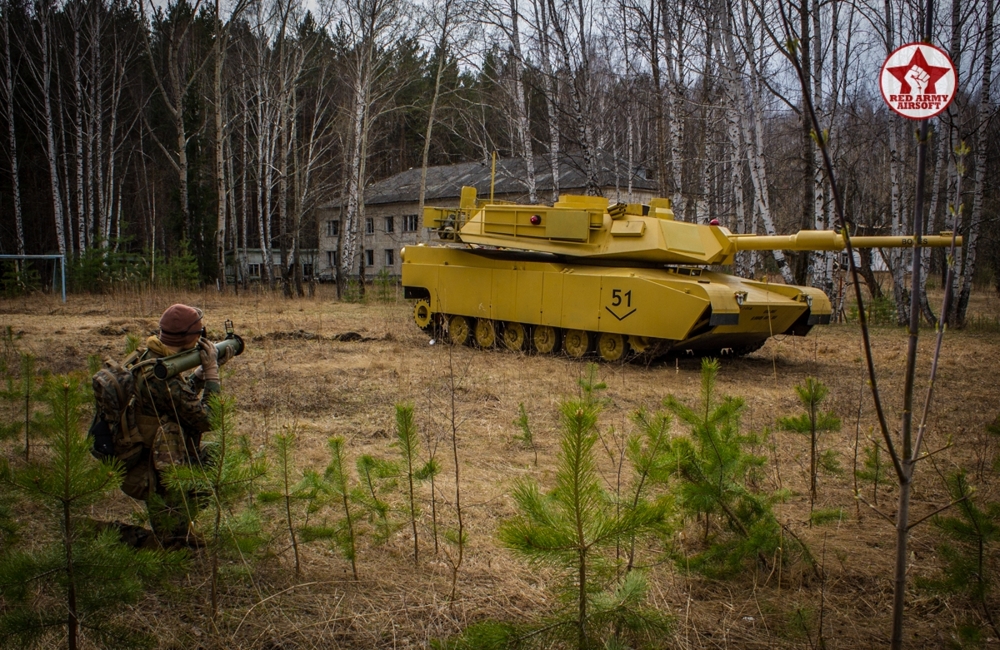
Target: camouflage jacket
x,y
182,399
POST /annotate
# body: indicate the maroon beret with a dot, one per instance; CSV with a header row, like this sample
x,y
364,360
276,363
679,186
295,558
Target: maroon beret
x,y
178,323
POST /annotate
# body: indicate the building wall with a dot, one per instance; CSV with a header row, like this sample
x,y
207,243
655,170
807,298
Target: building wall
x,y
255,263
378,243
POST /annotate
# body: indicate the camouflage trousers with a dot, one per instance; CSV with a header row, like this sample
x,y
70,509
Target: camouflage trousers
x,y
170,511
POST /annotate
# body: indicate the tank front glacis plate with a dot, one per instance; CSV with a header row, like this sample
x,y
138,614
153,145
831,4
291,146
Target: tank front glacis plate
x,y
686,306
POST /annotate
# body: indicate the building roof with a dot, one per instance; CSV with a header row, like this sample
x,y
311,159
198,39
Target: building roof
x,y
446,181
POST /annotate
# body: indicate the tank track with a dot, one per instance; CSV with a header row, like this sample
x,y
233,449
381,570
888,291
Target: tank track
x,y
488,334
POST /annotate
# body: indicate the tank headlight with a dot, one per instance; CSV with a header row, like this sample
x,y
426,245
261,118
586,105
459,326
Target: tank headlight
x,y
741,297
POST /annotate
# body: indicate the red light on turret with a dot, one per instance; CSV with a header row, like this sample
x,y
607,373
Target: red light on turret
x,y
535,219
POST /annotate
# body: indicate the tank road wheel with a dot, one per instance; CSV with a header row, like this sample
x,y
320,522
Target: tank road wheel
x,y
486,333
459,331
612,347
546,339
576,343
640,344
515,337
422,315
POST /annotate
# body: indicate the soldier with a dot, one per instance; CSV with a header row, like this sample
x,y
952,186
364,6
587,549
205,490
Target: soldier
x,y
172,415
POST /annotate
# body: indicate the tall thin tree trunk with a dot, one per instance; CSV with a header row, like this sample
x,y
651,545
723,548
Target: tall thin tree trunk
x,y
551,81
81,216
523,128
976,218
11,134
442,54
220,163
50,135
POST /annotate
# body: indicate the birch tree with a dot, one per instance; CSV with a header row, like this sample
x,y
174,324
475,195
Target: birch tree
x,y
986,112
369,24
578,70
8,98
444,18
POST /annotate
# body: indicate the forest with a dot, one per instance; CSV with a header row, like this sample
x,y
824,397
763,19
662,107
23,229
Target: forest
x,y
146,137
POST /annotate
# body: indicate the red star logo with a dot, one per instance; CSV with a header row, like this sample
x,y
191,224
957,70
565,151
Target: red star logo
x,y
919,61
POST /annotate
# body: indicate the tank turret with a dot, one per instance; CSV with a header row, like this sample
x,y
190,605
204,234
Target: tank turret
x,y
620,280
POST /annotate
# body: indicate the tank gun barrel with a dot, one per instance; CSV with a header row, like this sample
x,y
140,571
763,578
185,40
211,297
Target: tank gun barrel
x,y
828,240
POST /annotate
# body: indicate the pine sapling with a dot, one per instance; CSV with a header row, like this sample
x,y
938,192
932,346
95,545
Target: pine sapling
x,y
408,444
875,469
811,423
649,454
90,572
969,566
570,526
526,437
27,393
226,478
287,488
336,478
716,475
377,478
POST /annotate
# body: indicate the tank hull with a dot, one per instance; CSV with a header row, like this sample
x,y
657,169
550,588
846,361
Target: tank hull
x,y
655,310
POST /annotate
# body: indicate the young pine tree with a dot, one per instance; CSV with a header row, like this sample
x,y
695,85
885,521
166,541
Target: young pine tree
x,y
573,525
526,437
333,489
336,477
408,444
968,557
377,479
876,469
717,472
812,423
79,584
226,477
286,489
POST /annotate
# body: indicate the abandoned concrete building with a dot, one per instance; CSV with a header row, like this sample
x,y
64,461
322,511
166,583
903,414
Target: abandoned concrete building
x,y
391,220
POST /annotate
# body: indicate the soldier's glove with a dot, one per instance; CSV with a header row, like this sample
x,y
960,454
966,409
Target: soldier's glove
x,y
227,354
209,360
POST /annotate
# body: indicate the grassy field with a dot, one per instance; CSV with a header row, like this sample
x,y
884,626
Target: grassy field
x,y
323,368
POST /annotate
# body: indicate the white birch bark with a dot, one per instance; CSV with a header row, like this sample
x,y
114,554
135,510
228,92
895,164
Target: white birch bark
x,y
735,106
520,105
971,242
755,152
551,81
11,132
78,119
442,52
50,135
577,88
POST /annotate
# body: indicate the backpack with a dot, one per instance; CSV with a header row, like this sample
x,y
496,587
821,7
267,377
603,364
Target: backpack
x,y
114,430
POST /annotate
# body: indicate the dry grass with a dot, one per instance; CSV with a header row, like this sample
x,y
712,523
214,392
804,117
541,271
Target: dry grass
x,y
301,371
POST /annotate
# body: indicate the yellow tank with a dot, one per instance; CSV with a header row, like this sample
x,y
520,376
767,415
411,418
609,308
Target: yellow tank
x,y
625,280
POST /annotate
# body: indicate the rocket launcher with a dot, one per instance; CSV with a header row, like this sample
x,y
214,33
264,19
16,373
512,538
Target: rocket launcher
x,y
167,367
587,227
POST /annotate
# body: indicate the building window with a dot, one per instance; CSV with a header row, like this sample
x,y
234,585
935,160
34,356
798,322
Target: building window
x,y
307,270
369,257
332,228
390,225
253,270
369,226
390,257
331,259
410,223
